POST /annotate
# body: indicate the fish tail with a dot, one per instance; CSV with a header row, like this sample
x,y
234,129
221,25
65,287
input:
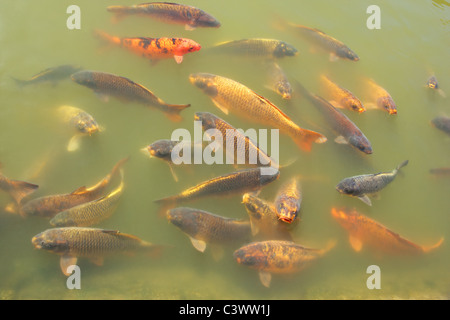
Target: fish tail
x,y
20,83
107,37
166,204
330,245
435,246
20,189
173,111
305,138
120,12
401,165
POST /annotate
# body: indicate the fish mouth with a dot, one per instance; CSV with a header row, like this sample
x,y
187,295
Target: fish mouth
x,y
148,152
35,242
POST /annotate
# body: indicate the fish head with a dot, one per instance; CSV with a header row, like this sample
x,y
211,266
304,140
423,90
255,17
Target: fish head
x,y
251,256
185,219
388,104
347,186
84,78
432,83
287,211
207,20
161,148
205,82
85,123
361,143
187,45
51,240
284,90
348,219
208,120
284,49
347,53
354,104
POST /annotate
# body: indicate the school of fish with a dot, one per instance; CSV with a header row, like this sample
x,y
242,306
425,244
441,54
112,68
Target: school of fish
x,y
265,237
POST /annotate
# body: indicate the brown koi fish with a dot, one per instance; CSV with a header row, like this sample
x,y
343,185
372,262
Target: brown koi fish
x,y
229,95
274,256
288,201
189,16
92,243
107,84
365,231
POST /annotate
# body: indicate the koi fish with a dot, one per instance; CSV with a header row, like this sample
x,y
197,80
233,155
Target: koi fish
x,y
275,256
203,227
154,48
278,81
189,16
108,84
52,75
92,243
336,48
264,220
243,149
346,131
17,189
382,98
442,123
288,201
236,182
341,97
365,231
257,47
89,213
432,83
166,150
229,95
362,185
82,121
49,206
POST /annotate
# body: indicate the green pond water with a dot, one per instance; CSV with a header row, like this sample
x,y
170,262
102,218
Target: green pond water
x,y
412,44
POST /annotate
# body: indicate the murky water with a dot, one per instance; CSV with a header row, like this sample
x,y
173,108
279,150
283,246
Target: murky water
x,y
411,45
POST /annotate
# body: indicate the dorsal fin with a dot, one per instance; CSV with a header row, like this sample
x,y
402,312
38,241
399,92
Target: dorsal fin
x,y
80,190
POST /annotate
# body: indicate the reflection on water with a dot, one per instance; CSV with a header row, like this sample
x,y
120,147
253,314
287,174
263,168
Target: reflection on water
x,y
400,57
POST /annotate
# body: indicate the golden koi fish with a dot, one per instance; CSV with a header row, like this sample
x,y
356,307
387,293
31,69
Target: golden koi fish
x,y
92,243
341,97
89,213
49,206
263,219
288,201
229,95
108,84
382,99
274,256
82,121
365,231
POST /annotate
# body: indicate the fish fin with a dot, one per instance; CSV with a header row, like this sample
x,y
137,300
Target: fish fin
x,y
365,199
166,204
198,244
11,208
333,57
102,97
65,262
222,108
341,140
254,228
217,253
370,105
173,111
21,189
330,245
178,59
435,246
305,138
174,175
80,190
336,104
20,83
106,37
74,143
98,261
355,243
117,17
441,93
188,27
265,278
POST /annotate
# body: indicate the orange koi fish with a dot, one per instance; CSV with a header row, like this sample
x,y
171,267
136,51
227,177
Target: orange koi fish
x,y
154,48
363,230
